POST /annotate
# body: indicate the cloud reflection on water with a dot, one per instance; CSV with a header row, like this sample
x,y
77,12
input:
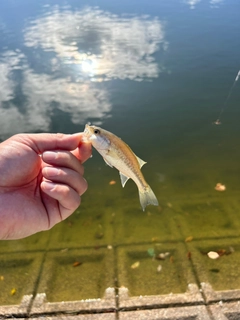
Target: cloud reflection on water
x,y
42,92
213,3
79,100
8,62
11,119
104,45
69,53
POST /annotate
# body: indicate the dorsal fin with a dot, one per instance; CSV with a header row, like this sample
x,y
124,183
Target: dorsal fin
x,y
140,161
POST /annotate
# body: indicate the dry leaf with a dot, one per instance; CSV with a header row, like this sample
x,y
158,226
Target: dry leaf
x,y
13,291
135,265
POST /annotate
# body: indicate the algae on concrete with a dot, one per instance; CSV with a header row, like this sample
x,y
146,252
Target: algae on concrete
x,y
222,273
174,276
77,274
19,275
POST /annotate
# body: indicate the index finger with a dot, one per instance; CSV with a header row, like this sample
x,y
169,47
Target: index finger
x,y
41,142
83,152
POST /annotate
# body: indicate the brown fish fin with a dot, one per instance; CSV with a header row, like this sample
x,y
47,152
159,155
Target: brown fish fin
x,y
123,178
108,163
147,197
140,161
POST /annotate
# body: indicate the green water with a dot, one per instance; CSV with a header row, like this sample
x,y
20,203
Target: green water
x,y
155,73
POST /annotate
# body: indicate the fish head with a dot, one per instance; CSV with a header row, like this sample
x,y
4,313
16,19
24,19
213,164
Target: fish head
x,y
97,136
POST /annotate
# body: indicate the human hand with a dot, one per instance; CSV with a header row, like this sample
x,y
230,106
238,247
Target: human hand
x,y
41,181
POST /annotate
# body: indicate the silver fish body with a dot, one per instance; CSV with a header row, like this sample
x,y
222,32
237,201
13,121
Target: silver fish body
x,y
116,153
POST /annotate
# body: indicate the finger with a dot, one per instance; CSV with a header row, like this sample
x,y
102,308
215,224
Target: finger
x,y
67,197
67,177
83,152
63,159
47,141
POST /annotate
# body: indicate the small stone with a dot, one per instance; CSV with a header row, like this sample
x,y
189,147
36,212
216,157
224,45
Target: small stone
x,y
220,187
213,255
159,268
163,255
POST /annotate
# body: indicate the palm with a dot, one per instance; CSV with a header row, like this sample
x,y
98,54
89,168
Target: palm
x,y
27,209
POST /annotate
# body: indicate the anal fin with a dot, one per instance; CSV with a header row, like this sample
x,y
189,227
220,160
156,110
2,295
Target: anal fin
x,y
123,178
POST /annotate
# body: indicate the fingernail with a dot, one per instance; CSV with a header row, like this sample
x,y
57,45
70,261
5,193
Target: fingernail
x,y
52,172
49,155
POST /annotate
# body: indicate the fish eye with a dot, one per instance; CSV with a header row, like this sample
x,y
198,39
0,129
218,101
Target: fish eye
x,y
96,131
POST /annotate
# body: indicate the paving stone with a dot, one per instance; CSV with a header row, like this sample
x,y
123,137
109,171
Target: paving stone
x,y
101,316
213,296
34,243
220,278
226,311
204,218
182,313
154,224
158,286
76,280
11,317
192,295
19,274
41,305
20,309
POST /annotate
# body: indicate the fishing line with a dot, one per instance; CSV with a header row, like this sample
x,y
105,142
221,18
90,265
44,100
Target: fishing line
x,y
217,122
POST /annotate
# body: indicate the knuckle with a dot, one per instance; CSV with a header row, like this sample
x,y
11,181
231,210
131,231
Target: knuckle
x,y
82,187
74,202
77,202
65,192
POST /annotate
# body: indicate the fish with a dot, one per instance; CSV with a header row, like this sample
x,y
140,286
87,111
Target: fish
x,y
116,153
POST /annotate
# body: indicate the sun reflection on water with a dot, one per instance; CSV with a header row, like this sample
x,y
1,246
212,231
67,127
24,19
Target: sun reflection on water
x,y
61,65
106,45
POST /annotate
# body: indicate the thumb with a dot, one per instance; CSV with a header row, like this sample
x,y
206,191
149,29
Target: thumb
x,y
41,142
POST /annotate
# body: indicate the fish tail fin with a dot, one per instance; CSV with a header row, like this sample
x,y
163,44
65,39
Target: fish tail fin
x,y
147,197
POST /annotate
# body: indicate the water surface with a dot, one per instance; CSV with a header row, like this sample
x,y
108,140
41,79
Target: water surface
x,y
156,73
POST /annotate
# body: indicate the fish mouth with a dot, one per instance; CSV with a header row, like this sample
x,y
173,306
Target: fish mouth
x,y
87,132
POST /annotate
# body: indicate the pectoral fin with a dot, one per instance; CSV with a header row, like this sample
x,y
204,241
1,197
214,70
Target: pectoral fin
x,y
107,163
123,178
